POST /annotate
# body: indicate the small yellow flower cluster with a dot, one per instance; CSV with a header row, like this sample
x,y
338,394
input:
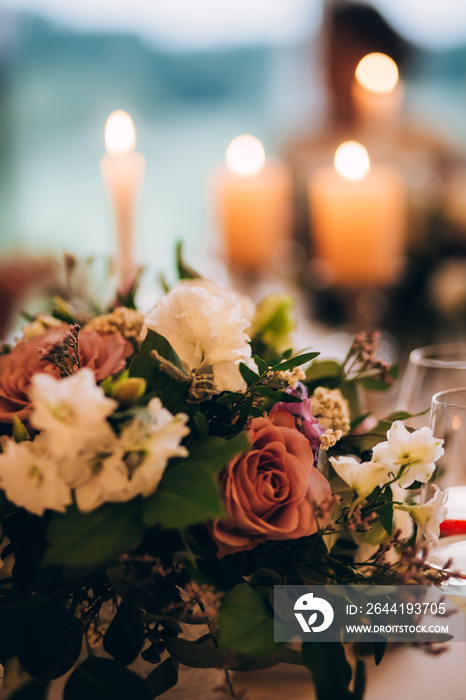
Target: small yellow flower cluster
x,y
330,438
291,377
128,322
331,409
38,327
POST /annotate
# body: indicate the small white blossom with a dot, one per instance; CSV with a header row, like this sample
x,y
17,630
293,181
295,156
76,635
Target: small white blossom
x,y
148,443
30,478
108,482
415,453
72,410
362,477
207,328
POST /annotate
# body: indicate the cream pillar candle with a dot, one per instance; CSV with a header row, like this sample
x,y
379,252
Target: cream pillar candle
x,y
358,219
123,171
377,90
253,201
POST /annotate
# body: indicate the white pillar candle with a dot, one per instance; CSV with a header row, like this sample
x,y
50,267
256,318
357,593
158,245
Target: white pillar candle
x,y
123,171
253,201
358,219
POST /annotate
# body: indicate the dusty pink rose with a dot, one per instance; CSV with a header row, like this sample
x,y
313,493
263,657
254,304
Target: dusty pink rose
x,y
272,492
104,354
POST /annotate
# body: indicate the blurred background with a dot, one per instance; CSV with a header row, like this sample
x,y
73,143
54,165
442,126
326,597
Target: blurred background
x,y
195,75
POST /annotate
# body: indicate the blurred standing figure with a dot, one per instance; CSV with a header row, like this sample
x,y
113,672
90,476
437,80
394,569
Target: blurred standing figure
x,y
349,32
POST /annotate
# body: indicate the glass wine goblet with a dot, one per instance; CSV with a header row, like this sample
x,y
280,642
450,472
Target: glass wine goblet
x,y
430,369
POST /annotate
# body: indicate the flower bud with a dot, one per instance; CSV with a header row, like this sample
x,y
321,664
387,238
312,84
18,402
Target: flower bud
x,y
129,391
20,434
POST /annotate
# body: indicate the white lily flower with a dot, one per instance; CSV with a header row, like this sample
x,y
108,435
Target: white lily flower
x,y
415,453
428,516
362,477
72,410
30,478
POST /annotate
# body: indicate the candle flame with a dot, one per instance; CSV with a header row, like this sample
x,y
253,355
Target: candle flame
x,y
377,72
245,155
352,161
120,135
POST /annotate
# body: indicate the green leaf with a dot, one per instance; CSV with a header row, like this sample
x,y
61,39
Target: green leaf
x,y
143,362
330,669
194,654
371,384
295,361
356,422
323,369
124,638
51,644
246,622
32,691
276,394
104,679
162,678
203,654
188,492
172,392
379,651
248,374
185,272
96,539
386,512
201,423
262,366
14,617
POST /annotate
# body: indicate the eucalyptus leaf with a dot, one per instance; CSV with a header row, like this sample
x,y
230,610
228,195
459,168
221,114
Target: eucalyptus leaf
x,y
162,678
330,669
124,638
95,539
246,622
51,643
103,679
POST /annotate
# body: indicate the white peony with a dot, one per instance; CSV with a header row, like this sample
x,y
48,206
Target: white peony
x,y
362,477
72,410
30,478
206,325
428,516
415,452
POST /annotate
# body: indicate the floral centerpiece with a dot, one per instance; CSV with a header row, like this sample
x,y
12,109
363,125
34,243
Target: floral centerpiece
x,y
168,469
